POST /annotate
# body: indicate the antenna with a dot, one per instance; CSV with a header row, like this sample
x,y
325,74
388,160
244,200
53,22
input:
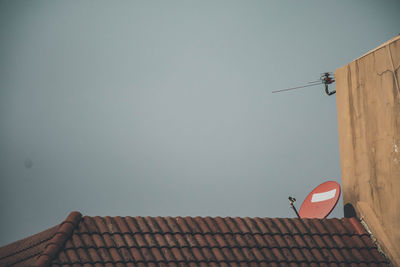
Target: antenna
x,y
292,200
320,202
326,78
298,87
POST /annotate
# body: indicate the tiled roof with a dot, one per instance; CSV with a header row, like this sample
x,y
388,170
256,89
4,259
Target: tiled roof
x,y
196,241
26,251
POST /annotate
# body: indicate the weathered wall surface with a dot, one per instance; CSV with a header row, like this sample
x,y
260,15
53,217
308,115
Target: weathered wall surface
x,y
368,104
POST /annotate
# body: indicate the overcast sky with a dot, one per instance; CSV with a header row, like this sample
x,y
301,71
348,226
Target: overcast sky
x,y
165,107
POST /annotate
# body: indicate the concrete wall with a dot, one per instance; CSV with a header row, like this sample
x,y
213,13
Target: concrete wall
x,y
368,104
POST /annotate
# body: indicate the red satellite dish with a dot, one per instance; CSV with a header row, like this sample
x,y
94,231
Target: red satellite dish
x,y
321,201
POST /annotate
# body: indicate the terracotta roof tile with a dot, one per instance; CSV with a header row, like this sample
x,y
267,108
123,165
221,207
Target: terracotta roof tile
x,y
188,241
25,251
39,249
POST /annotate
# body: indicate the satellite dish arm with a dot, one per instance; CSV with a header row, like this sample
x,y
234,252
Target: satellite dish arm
x,y
292,200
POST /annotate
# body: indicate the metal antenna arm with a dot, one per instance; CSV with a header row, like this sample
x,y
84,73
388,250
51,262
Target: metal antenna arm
x,y
327,90
294,88
291,201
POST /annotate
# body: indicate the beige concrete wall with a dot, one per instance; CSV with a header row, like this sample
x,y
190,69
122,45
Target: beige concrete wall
x,y
368,105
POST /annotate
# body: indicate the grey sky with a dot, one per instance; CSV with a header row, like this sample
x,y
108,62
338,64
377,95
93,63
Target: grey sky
x,y
165,107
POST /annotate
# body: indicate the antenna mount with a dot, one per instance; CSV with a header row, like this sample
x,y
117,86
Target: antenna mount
x,y
292,200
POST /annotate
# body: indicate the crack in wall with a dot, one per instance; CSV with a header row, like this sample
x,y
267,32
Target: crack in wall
x,y
394,69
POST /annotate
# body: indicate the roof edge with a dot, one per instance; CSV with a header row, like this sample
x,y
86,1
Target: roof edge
x,y
57,241
360,229
394,39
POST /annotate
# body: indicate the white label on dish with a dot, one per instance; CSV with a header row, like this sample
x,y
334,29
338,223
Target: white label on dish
x,y
318,197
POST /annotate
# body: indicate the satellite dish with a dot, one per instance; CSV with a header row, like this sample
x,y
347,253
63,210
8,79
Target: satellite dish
x,y
321,201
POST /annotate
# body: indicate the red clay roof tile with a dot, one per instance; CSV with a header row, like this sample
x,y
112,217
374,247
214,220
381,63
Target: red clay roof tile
x,y
188,241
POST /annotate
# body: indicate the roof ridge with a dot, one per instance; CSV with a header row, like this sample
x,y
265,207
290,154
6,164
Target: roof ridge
x,y
184,261
225,233
222,246
357,226
57,241
25,248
